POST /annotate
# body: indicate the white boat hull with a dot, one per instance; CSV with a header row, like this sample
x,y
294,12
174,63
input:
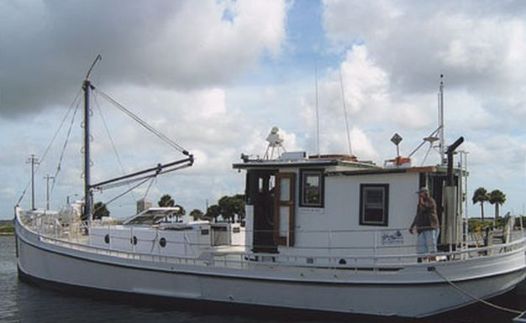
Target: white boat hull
x,y
344,291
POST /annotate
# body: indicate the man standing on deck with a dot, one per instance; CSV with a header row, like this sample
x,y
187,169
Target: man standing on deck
x,y
426,224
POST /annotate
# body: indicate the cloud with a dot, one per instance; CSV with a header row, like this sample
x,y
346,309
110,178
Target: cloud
x,y
472,44
480,47
48,46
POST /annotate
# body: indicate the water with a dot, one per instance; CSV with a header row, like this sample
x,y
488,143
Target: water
x,y
21,302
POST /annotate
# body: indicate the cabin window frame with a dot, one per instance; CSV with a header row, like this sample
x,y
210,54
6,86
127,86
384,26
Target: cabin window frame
x,y
320,174
385,191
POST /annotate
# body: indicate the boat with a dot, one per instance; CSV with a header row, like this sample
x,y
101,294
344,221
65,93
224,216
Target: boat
x,y
321,233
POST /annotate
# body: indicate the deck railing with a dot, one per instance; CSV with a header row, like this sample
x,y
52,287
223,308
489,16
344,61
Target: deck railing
x,y
375,257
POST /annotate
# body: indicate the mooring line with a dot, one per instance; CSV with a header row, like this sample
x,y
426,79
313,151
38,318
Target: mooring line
x,y
478,299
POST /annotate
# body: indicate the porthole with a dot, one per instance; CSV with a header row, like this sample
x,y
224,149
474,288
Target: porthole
x,y
162,242
133,240
107,238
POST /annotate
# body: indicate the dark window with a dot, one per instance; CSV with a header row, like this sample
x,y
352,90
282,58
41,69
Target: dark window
x,y
374,204
133,240
162,242
107,238
311,191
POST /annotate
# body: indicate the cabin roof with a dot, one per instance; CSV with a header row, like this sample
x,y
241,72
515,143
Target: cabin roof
x,y
304,163
389,170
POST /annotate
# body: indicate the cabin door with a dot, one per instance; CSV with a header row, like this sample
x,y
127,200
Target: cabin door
x,y
261,193
284,211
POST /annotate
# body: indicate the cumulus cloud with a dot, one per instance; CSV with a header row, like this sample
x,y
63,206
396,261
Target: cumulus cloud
x,y
480,48
471,43
48,46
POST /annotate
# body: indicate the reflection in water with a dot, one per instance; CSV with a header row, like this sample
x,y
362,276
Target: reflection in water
x,y
21,302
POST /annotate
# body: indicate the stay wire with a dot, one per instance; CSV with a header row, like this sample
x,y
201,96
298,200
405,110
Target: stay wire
x,y
144,123
127,191
115,151
64,147
44,155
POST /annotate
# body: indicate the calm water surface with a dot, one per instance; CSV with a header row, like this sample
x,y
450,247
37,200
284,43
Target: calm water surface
x,y
21,302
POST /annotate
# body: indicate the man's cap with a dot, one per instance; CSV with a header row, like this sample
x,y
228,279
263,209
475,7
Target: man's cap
x,y
423,190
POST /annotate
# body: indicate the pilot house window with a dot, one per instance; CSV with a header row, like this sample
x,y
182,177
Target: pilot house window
x,y
311,188
374,202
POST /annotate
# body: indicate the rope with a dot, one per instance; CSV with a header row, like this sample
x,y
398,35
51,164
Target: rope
x,y
502,308
144,124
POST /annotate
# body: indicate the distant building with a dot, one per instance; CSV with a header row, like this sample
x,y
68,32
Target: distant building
x,y
143,204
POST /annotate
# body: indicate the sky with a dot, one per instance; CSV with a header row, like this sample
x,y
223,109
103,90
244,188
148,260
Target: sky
x,y
216,76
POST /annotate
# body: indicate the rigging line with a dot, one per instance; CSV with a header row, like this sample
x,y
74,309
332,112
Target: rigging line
x,y
51,143
119,161
133,180
144,124
126,182
126,192
345,114
149,186
68,136
475,298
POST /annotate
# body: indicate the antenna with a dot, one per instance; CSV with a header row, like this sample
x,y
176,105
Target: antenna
x,y
97,59
345,115
317,113
442,143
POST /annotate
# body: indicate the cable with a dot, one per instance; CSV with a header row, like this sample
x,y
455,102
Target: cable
x,y
119,161
50,144
126,192
59,166
502,308
144,124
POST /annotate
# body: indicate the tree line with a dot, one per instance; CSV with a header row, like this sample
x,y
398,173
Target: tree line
x,y
495,197
228,207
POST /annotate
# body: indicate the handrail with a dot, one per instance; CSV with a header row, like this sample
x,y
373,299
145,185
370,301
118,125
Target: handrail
x,y
379,260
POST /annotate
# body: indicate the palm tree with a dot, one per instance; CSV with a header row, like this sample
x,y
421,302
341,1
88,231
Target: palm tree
x,y
180,212
213,212
99,211
166,201
197,214
480,196
498,198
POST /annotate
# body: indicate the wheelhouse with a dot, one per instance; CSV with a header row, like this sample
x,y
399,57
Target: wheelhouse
x,y
335,205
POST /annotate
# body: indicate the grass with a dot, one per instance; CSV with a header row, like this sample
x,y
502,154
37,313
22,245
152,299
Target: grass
x,y
6,227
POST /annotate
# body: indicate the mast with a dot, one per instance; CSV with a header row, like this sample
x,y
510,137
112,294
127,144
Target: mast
x,y
88,195
87,176
442,143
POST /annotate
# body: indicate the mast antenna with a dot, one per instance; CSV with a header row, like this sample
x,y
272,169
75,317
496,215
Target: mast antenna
x,y
97,59
442,143
345,115
317,113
